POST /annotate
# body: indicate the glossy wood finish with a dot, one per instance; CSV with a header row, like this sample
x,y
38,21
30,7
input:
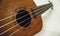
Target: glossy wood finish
x,y
9,7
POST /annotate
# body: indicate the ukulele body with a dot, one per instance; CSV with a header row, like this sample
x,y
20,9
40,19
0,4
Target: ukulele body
x,y
9,7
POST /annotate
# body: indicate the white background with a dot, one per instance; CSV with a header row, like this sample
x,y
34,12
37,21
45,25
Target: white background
x,y
51,19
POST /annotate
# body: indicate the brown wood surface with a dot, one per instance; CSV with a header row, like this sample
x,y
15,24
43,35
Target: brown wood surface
x,y
8,7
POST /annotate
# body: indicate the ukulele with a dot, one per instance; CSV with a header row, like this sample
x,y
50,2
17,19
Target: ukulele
x,y
21,17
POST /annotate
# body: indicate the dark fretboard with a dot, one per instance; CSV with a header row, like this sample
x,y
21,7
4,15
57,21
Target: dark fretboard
x,y
41,9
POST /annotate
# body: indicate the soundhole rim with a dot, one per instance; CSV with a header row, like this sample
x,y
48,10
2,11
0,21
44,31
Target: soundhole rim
x,y
21,13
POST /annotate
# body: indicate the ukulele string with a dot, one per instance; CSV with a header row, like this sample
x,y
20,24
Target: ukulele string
x,y
14,26
39,7
8,29
43,9
14,32
34,8
15,19
17,30
15,14
12,21
9,16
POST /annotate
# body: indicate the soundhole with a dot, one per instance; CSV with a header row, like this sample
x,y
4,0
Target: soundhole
x,y
23,18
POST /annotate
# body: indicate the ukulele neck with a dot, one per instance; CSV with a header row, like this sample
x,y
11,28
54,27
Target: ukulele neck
x,y
41,9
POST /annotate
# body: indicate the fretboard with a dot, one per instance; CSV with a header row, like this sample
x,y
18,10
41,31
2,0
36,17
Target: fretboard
x,y
41,9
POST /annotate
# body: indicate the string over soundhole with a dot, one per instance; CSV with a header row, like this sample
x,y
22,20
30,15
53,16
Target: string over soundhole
x,y
24,16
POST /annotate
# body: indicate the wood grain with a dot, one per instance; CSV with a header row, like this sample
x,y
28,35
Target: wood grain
x,y
9,7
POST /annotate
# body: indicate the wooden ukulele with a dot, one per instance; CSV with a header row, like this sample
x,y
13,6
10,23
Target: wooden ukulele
x,y
21,17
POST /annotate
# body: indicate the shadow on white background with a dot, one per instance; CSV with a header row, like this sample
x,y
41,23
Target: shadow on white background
x,y
51,19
